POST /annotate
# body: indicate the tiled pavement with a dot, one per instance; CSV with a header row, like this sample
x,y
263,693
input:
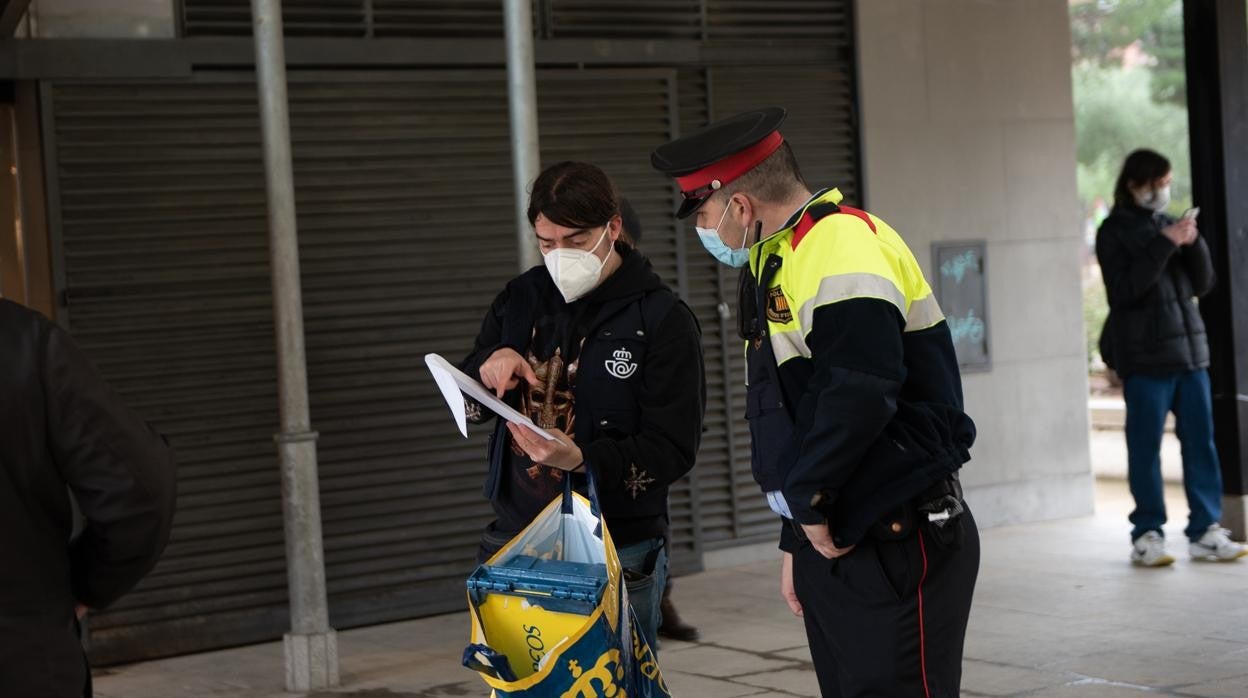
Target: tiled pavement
x,y
1058,612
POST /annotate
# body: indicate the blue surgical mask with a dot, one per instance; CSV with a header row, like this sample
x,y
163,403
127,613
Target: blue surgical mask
x,y
735,258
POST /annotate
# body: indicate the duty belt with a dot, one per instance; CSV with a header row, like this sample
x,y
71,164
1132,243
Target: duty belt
x,y
942,503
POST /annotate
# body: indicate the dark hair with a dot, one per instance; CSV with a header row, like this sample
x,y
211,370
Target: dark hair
x,y
773,180
630,224
574,195
1141,167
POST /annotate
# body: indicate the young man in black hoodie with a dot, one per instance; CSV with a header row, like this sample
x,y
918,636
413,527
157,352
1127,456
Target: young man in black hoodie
x,y
595,347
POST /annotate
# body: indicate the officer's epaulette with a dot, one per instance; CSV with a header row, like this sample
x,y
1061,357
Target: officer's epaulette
x,y
822,210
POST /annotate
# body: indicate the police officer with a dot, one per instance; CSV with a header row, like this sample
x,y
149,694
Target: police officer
x,y
592,345
855,411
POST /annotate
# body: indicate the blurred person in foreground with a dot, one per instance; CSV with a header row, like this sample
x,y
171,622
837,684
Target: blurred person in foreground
x,y
68,443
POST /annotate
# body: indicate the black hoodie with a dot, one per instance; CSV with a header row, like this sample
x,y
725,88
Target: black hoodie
x,y
621,371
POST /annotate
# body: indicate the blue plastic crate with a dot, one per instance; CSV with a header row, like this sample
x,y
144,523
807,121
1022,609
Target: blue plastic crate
x,y
555,585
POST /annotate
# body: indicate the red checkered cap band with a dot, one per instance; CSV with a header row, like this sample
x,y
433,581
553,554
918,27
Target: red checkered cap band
x,y
730,168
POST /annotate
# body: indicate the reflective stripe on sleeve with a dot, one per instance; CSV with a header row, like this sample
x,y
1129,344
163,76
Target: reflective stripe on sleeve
x,y
924,313
840,287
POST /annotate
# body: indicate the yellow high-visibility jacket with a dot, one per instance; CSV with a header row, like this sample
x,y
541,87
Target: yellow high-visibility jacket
x,y
855,398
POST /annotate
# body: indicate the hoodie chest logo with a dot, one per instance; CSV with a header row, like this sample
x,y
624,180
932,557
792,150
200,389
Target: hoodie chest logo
x,y
621,365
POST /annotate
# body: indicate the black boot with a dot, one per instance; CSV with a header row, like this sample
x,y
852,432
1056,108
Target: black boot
x,y
671,626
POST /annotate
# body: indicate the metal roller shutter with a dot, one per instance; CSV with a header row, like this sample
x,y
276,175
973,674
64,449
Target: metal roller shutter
x,y
405,221
405,226
821,128
642,19
712,295
351,18
157,206
613,119
344,18
405,230
165,275
825,21
828,21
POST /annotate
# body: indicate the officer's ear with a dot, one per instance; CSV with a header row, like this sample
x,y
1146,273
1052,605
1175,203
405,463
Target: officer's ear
x,y
741,209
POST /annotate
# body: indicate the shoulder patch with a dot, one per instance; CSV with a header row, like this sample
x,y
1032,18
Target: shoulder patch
x,y
813,215
860,214
803,226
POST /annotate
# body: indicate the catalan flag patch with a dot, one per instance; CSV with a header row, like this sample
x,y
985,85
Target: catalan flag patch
x,y
778,310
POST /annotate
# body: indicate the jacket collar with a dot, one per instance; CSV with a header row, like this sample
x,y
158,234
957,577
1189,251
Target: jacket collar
x,y
831,195
769,244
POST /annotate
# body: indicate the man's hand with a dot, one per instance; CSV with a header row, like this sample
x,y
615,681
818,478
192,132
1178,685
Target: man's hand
x,y
504,370
786,585
1182,232
80,611
821,538
565,456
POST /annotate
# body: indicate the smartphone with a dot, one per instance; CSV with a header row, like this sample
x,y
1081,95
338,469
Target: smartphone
x,y
1191,213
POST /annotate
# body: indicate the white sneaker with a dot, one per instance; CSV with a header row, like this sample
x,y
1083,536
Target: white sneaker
x,y
1216,546
1149,550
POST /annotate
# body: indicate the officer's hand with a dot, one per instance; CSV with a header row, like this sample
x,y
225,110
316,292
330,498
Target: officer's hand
x,y
821,538
564,456
786,585
504,370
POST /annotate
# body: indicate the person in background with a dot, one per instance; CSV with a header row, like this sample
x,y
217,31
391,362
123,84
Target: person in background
x,y
68,440
1154,268
670,624
594,347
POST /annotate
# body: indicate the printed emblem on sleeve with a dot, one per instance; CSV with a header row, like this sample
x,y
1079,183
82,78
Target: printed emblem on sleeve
x,y
778,307
637,480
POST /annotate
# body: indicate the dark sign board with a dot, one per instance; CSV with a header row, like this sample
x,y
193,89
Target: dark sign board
x,y
961,288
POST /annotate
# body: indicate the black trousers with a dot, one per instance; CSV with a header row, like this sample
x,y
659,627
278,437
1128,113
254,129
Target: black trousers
x,y
889,619
41,657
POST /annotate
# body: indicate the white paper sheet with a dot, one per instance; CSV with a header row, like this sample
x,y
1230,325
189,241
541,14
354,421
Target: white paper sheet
x,y
455,384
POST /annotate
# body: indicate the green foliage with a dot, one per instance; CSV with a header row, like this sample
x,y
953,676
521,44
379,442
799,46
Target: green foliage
x,y
1122,105
1102,29
1095,310
1115,114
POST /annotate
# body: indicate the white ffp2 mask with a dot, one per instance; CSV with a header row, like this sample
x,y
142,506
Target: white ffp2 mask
x,y
575,272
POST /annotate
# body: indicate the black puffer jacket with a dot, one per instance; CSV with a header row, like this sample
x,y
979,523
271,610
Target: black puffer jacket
x,y
1154,325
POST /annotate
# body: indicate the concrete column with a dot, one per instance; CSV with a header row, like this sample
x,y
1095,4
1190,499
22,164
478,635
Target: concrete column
x,y
311,645
522,98
1216,33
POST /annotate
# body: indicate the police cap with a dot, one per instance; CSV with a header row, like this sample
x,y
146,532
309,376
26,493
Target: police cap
x,y
707,160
